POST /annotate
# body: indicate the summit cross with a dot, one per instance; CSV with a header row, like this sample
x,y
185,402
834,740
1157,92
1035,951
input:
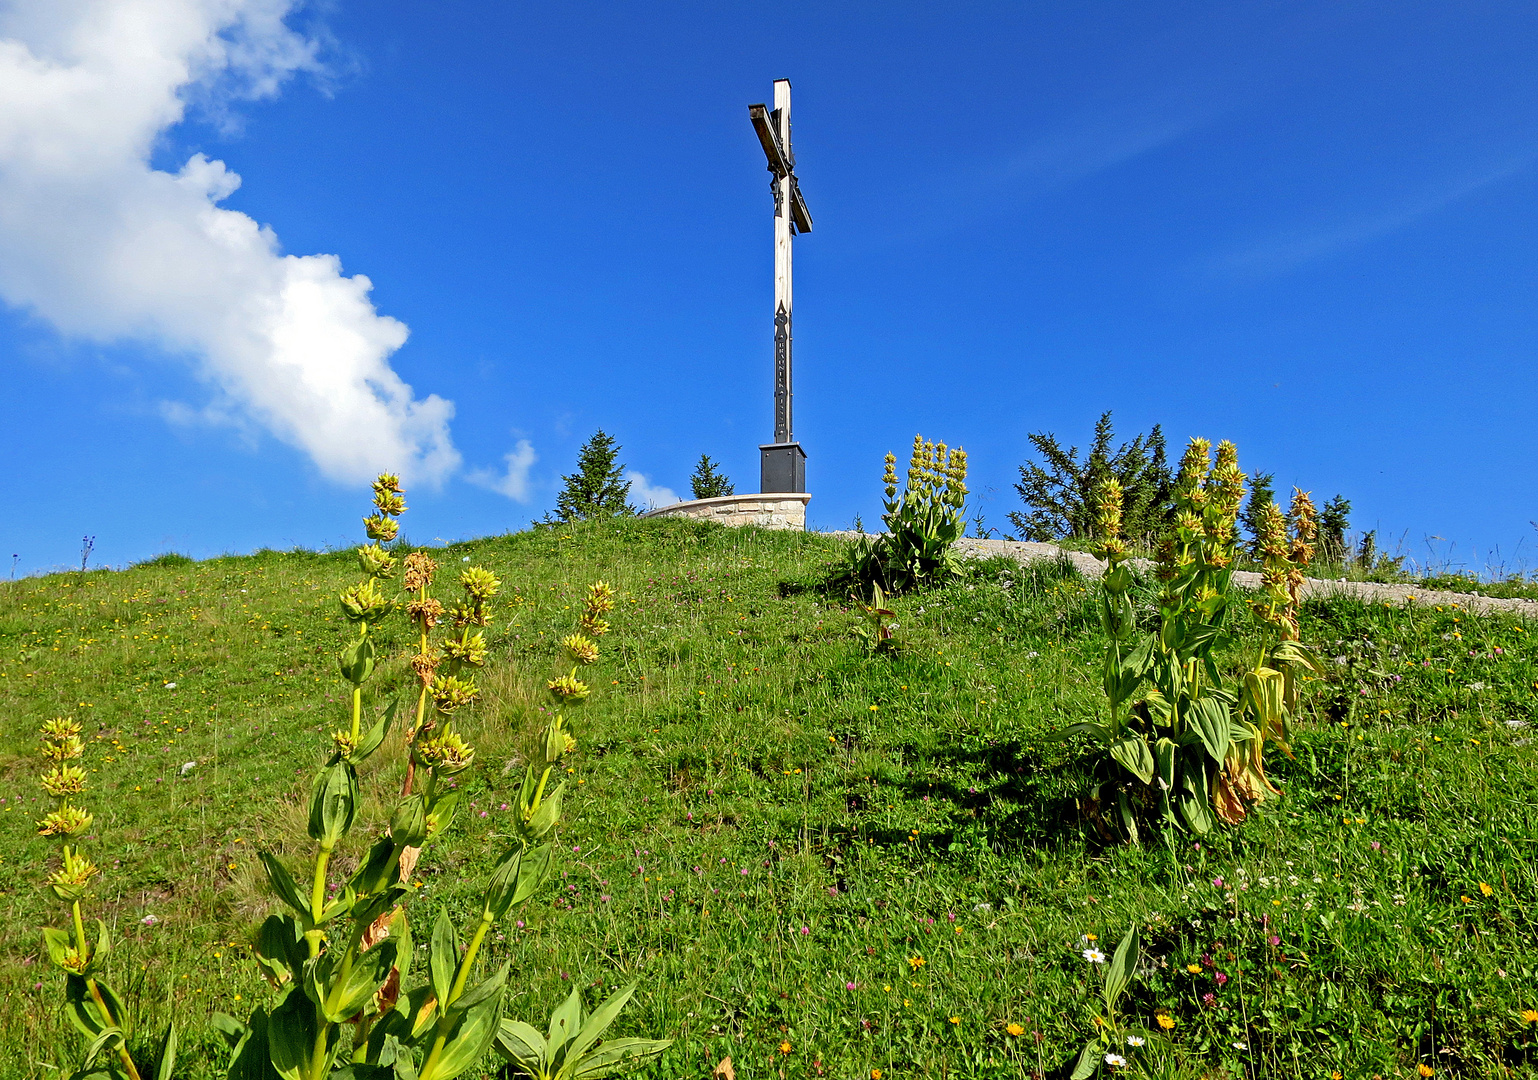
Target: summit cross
x,y
782,463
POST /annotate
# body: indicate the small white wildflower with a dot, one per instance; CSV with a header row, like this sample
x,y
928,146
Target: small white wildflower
x,y
1094,956
1240,1046
1115,1061
188,766
1134,1040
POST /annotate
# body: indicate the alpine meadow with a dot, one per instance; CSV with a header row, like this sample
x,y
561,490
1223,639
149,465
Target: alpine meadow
x,y
783,839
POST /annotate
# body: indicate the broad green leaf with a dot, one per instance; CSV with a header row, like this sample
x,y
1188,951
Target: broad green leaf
x,y
60,945
380,870
1131,752
357,660
1294,652
349,995
1164,751
165,1061
478,993
1209,718
599,1021
233,1030
282,883
565,1022
408,825
549,813
444,957
619,1057
1127,814
333,803
108,1040
253,1052
440,815
344,902
503,884
522,1045
533,873
291,1036
470,1037
1089,1061
1193,801
86,1014
1123,963
376,735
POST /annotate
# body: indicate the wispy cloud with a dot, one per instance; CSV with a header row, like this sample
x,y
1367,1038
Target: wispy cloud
x,y
106,248
513,481
1300,245
648,496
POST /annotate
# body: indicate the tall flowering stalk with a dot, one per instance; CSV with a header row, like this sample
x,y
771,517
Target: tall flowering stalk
x,y
365,605
92,1005
1269,700
444,670
573,1044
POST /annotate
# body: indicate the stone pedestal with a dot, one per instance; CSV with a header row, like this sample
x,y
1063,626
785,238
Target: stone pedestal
x,y
770,510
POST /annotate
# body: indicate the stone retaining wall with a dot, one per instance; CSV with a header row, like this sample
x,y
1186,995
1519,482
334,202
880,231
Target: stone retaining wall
x,y
1370,592
768,510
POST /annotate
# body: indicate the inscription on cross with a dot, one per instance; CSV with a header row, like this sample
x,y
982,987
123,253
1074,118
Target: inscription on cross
x,y
782,463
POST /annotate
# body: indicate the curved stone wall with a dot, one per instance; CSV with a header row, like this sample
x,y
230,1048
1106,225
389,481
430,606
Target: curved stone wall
x,y
767,510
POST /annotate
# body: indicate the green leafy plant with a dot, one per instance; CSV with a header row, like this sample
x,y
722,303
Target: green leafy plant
x,y
573,1045
875,630
921,526
93,1007
1180,741
707,482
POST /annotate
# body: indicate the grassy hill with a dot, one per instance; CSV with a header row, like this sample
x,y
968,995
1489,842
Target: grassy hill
x,y
820,862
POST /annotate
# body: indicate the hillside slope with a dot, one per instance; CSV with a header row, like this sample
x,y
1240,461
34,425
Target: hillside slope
x,y
818,861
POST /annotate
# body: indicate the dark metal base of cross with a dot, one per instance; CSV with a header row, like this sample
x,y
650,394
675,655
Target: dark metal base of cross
x,y
782,467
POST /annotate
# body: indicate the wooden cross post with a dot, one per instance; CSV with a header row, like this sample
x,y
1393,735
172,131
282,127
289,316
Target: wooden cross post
x,y
782,463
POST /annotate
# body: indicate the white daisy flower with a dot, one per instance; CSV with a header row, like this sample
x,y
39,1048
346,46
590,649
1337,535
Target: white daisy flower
x,y
1094,956
1135,1040
1115,1061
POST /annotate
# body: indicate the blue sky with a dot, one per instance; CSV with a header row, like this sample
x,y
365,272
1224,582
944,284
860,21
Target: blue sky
x,y
1309,228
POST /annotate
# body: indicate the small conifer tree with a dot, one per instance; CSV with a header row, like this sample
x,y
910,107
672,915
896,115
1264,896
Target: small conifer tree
x,y
1333,523
1262,495
707,483
597,488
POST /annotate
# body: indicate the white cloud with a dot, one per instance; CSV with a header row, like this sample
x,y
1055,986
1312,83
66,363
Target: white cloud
x,y
106,248
648,496
514,481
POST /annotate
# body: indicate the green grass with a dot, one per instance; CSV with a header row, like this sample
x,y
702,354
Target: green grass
x,y
795,844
